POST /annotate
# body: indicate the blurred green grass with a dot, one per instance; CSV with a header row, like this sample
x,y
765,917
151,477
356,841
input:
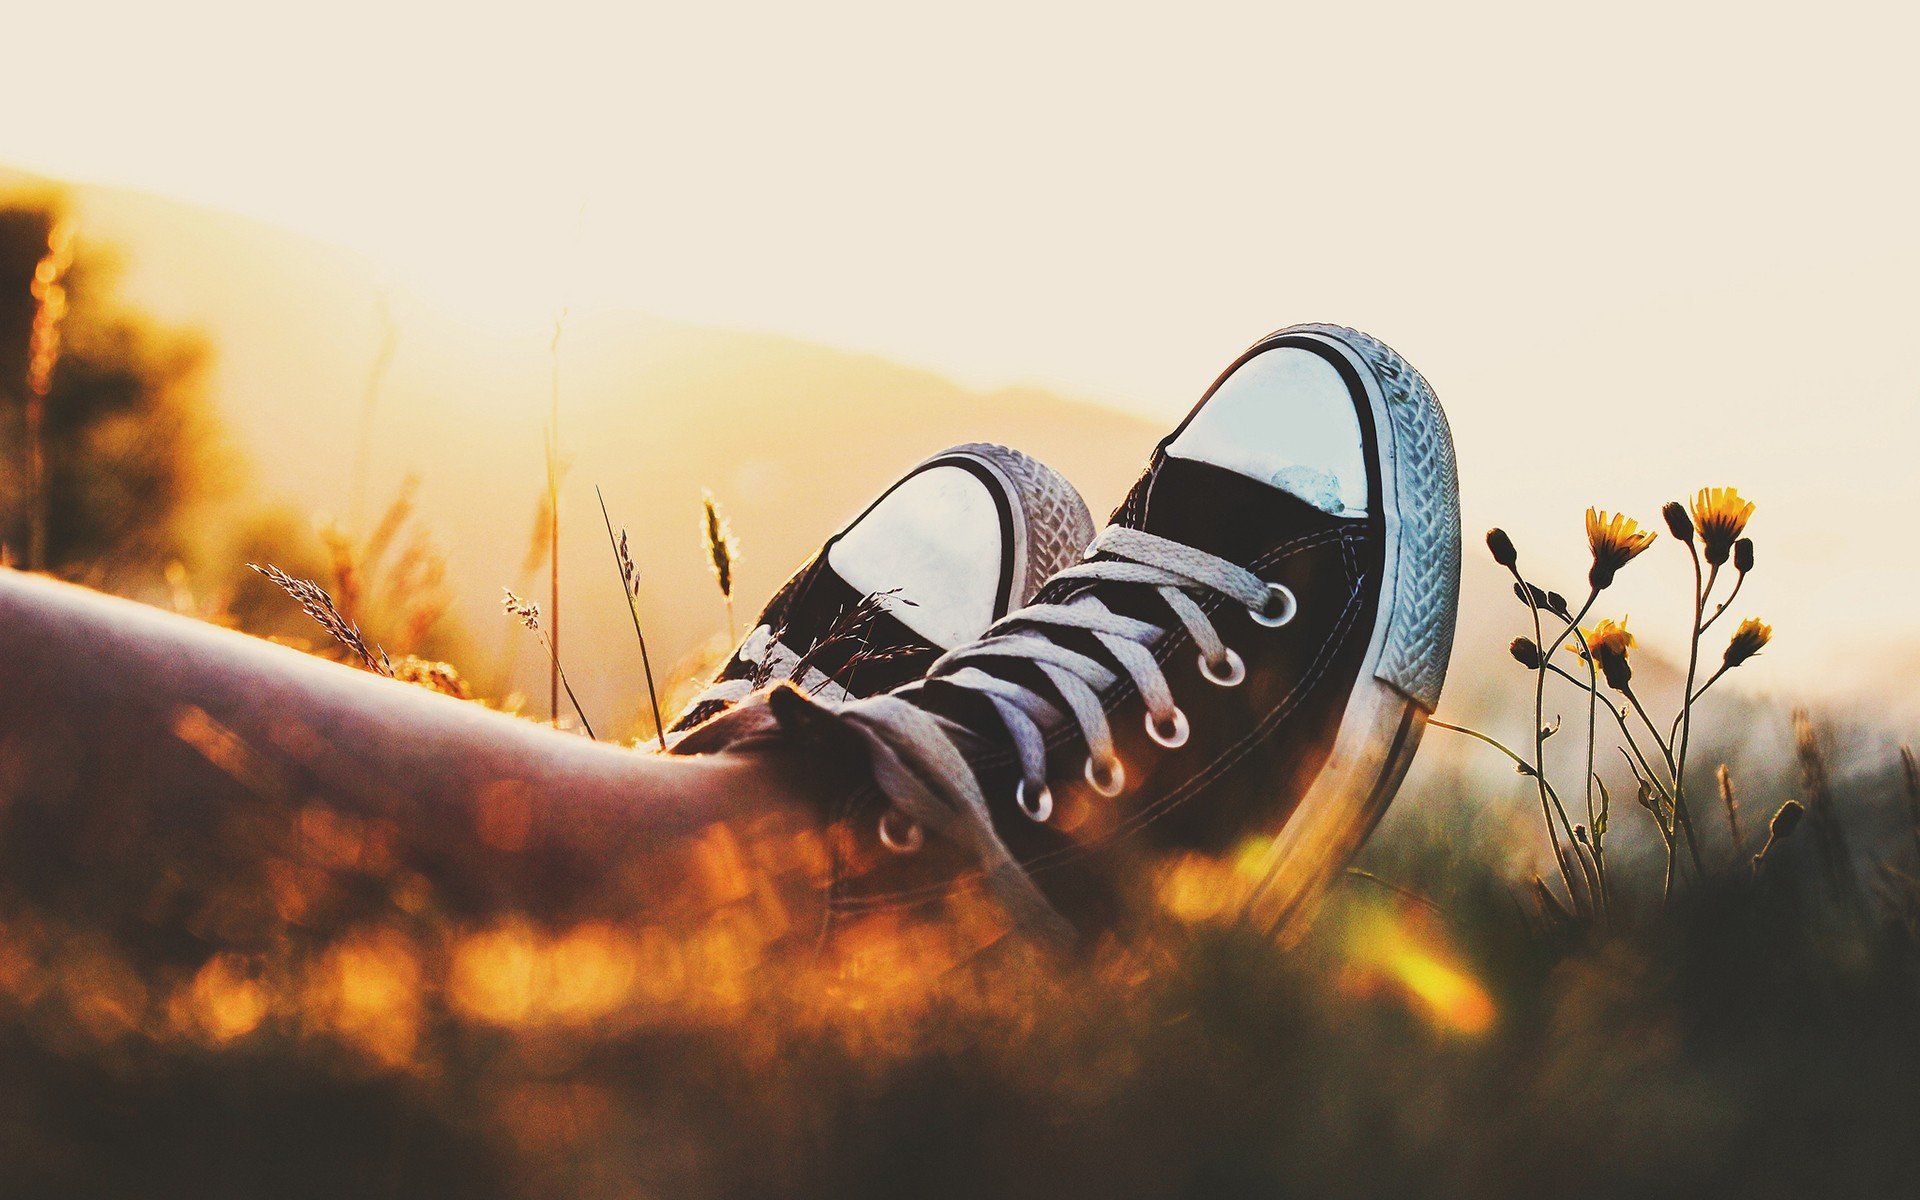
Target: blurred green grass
x,y
1759,1039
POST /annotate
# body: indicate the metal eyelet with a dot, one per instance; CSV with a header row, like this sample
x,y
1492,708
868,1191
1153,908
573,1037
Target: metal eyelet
x,y
905,842
1042,806
1115,772
1281,607
1236,670
1173,739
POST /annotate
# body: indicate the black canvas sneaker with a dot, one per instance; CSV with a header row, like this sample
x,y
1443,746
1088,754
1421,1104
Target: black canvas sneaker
x,y
958,542
1249,651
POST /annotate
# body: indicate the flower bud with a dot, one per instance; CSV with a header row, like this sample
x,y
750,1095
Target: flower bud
x,y
1502,547
1679,524
1616,670
1748,640
1743,555
1525,652
1608,642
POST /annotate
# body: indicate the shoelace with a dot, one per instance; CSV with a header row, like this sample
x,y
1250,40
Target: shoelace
x,y
916,755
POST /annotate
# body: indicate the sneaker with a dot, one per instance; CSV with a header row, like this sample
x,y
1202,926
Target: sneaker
x,y
957,543
1247,656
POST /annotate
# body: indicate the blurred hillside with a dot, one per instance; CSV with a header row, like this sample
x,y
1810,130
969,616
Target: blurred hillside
x,y
792,438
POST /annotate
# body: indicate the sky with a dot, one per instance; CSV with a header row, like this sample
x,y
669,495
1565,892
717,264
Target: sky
x,y
1638,248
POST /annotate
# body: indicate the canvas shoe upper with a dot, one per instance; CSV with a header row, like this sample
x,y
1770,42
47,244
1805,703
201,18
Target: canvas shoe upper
x,y
1249,651
952,546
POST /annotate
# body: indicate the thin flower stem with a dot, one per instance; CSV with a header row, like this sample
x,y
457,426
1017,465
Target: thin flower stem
x,y
1572,628
1635,764
1497,744
1674,731
1682,824
1406,893
1526,768
1599,850
1549,802
1738,581
1682,816
1639,756
1666,751
1596,829
1647,783
1711,680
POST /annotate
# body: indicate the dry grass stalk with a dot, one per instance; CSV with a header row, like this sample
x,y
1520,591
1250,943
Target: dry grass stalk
x,y
369,404
1785,820
528,614
1816,783
553,522
1910,773
853,624
49,293
1724,777
404,592
418,581
539,537
395,518
630,588
343,568
316,603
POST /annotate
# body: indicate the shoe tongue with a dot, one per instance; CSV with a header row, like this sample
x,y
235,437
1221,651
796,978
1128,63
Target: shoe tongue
x,y
1220,511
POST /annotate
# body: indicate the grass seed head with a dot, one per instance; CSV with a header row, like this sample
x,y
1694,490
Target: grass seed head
x,y
526,610
629,573
316,603
722,550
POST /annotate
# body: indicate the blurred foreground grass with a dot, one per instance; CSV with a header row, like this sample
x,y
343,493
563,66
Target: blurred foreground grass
x,y
345,1032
